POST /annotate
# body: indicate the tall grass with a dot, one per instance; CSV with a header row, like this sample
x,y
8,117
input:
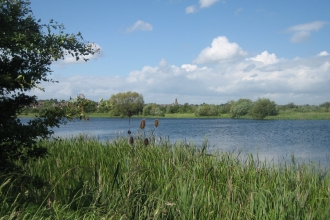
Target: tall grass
x,y
87,179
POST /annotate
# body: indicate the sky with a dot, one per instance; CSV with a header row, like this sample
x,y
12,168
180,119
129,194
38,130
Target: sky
x,y
198,51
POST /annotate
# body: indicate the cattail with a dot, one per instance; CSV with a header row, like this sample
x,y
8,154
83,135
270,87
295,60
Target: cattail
x,y
143,124
129,113
156,123
146,141
131,140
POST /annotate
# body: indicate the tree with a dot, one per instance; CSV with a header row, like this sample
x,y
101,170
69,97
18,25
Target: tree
x,y
104,106
27,49
120,103
153,110
240,108
207,110
262,108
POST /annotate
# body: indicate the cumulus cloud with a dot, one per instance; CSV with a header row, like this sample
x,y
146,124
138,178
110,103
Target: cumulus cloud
x,y
139,26
302,32
323,53
221,50
206,3
265,58
302,81
191,9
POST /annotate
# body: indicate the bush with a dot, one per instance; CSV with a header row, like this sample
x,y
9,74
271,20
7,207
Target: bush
x,y
207,110
240,108
262,108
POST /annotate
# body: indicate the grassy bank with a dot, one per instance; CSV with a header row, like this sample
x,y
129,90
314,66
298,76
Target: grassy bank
x,y
87,179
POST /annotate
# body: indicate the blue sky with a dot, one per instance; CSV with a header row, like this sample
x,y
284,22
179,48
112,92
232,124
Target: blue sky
x,y
198,51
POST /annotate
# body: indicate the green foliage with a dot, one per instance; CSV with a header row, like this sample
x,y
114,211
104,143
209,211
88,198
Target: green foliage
x,y
104,106
153,110
27,49
88,179
120,103
225,108
207,110
262,108
240,108
325,105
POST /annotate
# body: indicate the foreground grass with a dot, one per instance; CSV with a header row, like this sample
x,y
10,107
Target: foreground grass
x,y
87,179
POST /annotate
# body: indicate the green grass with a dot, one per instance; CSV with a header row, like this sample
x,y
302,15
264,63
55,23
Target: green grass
x,y
301,116
88,179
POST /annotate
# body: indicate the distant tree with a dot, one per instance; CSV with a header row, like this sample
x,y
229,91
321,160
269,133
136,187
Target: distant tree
x,y
153,110
240,108
120,103
263,107
27,50
225,108
103,106
207,110
325,106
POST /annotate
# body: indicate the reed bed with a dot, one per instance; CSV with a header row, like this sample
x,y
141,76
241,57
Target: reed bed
x,y
87,179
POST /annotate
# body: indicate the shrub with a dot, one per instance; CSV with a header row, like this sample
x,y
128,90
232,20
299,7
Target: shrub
x,y
240,108
262,108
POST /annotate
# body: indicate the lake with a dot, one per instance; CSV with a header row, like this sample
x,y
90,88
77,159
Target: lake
x,y
270,139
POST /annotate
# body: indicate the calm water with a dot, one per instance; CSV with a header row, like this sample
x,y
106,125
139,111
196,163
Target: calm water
x,y
270,139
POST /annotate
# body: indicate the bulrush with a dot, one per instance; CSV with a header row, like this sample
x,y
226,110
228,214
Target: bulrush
x,y
143,124
156,123
146,141
131,140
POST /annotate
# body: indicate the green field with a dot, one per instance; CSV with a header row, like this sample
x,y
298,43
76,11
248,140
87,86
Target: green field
x,y
87,179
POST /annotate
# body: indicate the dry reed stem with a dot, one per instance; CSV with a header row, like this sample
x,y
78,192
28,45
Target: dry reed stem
x,y
129,113
131,140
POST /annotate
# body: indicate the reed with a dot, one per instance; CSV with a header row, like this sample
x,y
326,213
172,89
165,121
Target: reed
x,y
88,179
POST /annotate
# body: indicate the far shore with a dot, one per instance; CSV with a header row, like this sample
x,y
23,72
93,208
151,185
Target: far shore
x,y
280,116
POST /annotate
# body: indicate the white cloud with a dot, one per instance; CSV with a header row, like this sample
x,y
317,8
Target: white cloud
x,y
140,26
265,58
302,32
206,3
323,53
221,50
312,26
302,81
191,9
69,59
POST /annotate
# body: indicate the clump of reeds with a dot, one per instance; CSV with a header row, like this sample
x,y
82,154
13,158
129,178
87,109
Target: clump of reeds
x,y
89,179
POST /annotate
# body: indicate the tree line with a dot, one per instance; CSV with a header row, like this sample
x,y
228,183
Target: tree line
x,y
118,105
